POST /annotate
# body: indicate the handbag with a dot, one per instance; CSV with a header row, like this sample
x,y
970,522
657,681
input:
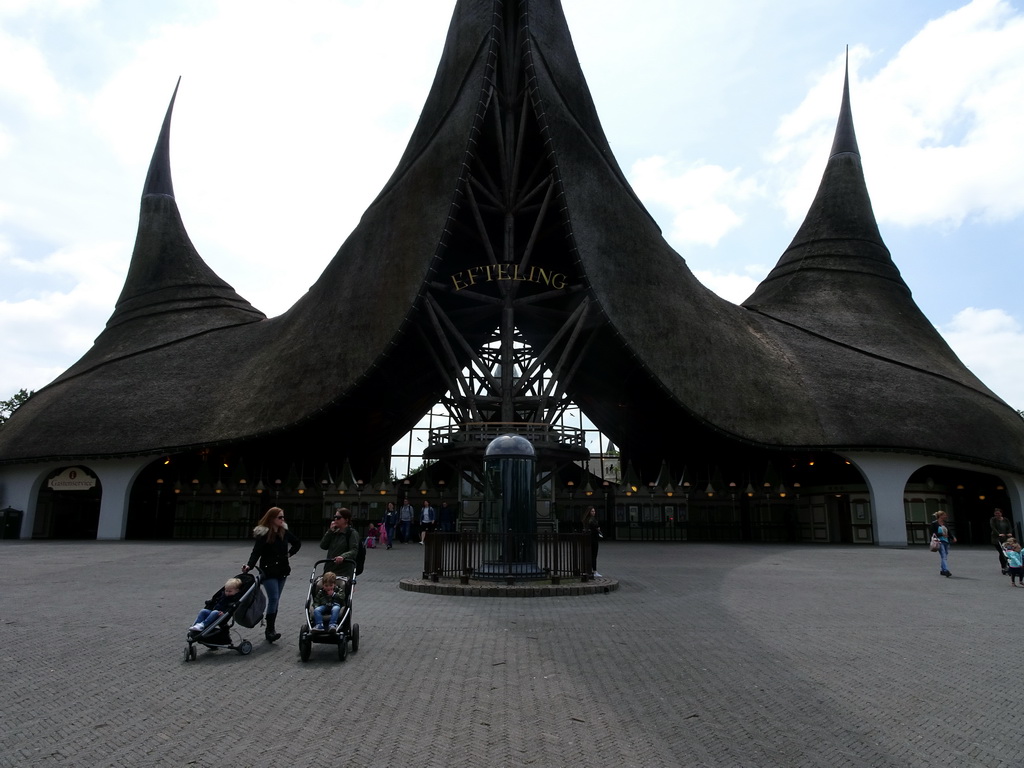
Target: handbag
x,y
934,545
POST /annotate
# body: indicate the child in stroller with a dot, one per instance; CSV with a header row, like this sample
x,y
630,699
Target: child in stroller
x,y
240,600
336,592
224,600
328,598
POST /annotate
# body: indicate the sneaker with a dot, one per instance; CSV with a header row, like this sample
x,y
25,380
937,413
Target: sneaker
x,y
598,575
197,627
319,628
332,628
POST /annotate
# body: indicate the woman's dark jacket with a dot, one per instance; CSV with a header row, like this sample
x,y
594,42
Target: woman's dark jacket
x,y
273,555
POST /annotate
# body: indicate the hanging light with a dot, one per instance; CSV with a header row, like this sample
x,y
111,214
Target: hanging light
x,y
782,491
218,487
260,487
750,490
710,490
669,490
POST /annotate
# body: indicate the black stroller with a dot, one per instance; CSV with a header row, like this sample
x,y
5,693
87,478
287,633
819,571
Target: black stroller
x,y
347,632
248,612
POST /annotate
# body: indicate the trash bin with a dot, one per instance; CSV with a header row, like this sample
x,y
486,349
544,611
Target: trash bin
x,y
10,523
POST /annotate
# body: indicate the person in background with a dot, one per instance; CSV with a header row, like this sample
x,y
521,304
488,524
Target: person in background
x,y
940,528
447,515
405,521
389,522
428,520
1014,562
593,527
1001,528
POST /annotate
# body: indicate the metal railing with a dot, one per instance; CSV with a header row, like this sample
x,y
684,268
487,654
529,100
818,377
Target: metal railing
x,y
484,432
508,557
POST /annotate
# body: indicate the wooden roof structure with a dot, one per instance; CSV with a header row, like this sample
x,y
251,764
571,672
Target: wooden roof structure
x,y
829,353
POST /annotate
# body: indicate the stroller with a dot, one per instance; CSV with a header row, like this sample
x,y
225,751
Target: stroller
x,y
347,632
248,612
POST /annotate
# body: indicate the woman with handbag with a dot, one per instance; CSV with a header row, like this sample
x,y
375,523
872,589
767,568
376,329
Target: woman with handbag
x,y
940,530
274,545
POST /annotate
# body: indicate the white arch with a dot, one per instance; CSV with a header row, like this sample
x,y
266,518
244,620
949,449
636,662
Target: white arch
x,y
20,485
886,475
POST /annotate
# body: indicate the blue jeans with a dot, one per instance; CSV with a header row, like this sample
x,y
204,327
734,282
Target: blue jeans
x,y
403,530
943,553
273,587
391,533
318,613
207,617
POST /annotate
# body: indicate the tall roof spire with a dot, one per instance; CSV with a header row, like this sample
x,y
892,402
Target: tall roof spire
x,y
846,138
169,286
839,236
158,180
837,279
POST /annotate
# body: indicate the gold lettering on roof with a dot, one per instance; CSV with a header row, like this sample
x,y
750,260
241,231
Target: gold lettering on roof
x,y
490,273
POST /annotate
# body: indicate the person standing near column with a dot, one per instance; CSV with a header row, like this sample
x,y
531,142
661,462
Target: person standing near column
x,y
593,527
1001,528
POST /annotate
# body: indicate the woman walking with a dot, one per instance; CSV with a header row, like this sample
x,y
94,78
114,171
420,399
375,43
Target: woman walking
x,y
274,545
1001,528
940,528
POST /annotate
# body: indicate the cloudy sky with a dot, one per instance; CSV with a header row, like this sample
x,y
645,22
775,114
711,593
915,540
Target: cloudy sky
x,y
290,118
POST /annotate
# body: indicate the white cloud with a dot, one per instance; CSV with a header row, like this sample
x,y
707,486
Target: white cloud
x,y
731,286
939,125
991,343
702,199
43,333
25,77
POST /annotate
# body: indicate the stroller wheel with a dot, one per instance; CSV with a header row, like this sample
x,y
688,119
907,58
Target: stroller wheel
x,y
342,648
355,638
305,646
188,652
245,648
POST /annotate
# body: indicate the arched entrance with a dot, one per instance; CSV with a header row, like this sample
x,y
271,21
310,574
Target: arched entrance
x,y
68,505
967,495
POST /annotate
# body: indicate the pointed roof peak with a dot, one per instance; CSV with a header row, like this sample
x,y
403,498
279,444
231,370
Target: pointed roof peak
x,y
158,180
846,138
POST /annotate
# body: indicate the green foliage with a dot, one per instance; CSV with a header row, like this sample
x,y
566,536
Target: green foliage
x,y
7,407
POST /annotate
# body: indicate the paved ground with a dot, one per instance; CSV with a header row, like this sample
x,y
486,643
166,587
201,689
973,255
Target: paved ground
x,y
706,655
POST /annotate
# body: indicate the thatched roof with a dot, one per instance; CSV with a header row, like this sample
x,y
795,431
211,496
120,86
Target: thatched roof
x,y
830,352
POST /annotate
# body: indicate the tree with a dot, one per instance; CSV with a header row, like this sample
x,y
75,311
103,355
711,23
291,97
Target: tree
x,y
8,407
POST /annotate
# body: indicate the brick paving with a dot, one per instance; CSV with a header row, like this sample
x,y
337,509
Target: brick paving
x,y
705,655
